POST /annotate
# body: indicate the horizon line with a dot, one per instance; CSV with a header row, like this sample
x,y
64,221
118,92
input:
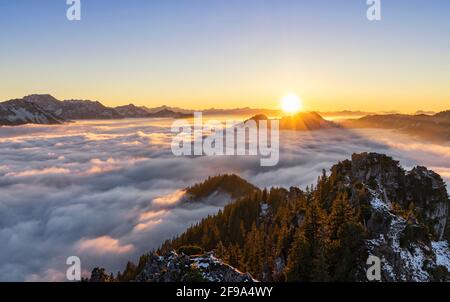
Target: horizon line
x,y
365,112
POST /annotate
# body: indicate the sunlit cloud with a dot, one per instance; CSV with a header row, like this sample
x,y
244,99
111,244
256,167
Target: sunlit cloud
x,y
149,215
170,199
45,171
147,225
104,245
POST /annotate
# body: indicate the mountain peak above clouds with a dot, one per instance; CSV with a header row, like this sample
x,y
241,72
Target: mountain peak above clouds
x,y
229,184
132,111
19,112
73,109
302,121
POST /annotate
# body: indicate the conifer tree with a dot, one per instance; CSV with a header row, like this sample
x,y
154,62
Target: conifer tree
x,y
345,234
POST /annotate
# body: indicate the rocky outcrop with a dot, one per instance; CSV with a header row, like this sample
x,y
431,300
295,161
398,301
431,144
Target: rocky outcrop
x,y
99,275
408,217
420,189
427,191
174,267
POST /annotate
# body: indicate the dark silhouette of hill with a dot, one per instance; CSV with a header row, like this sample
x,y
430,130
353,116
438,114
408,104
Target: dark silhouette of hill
x,y
431,127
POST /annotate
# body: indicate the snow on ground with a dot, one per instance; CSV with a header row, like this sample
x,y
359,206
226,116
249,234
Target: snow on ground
x,y
412,259
440,248
378,204
414,262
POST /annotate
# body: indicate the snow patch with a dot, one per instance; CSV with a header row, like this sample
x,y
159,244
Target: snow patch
x,y
264,209
442,252
415,261
378,204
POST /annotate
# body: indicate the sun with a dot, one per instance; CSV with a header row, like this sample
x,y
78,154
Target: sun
x,y
291,104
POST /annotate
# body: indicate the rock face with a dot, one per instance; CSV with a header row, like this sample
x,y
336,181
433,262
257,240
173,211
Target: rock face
x,y
407,218
99,275
427,191
20,112
174,267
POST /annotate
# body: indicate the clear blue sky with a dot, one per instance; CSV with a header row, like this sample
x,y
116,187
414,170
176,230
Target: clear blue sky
x,y
226,53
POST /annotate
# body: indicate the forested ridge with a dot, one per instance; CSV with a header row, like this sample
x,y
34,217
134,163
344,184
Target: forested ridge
x,y
279,235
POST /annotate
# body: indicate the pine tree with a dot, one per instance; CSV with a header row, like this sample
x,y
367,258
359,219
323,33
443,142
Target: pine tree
x,y
220,250
345,235
299,264
307,259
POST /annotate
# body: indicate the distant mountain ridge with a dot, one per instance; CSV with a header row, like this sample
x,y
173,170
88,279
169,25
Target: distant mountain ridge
x,y
132,111
73,109
434,127
45,109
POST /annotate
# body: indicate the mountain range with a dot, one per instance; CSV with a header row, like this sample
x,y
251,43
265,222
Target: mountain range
x,y
367,206
435,127
45,109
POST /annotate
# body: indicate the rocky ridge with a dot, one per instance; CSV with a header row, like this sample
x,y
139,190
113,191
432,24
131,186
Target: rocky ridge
x,y
174,267
407,218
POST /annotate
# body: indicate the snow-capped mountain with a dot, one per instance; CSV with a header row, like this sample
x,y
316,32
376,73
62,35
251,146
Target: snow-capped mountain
x,y
56,110
73,109
20,112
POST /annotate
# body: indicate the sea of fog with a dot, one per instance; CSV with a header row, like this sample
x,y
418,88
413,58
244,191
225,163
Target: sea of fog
x,y
109,191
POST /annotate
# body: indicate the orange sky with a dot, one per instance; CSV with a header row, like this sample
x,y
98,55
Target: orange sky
x,y
202,54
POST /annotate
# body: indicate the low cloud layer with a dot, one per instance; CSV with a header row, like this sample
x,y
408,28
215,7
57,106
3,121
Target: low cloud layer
x,y
109,191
